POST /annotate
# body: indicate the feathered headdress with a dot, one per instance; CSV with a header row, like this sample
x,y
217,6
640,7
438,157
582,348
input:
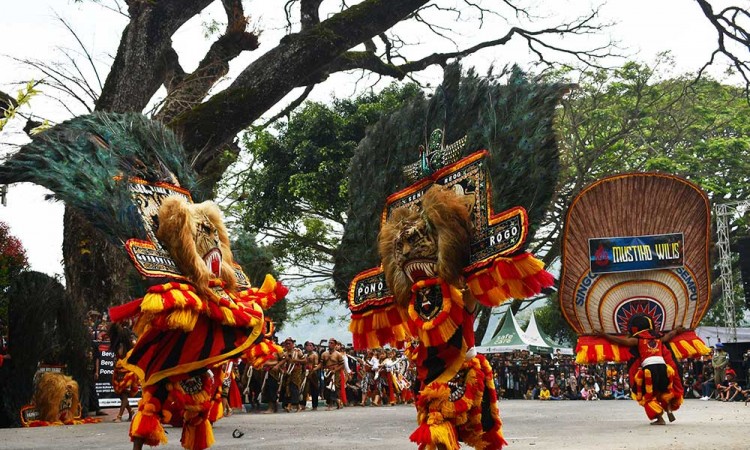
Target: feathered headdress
x,y
513,121
504,154
89,163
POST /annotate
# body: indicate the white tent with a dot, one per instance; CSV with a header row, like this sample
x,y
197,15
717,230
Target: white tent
x,y
712,335
510,338
537,337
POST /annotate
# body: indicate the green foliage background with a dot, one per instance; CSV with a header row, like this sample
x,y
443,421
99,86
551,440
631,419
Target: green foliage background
x,y
13,261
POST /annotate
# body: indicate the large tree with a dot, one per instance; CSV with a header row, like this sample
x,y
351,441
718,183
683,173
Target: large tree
x,y
635,118
323,38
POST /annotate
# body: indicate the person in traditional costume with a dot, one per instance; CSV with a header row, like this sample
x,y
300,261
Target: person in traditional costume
x,y
369,365
311,386
451,238
334,375
272,377
655,377
389,377
124,382
227,395
636,280
186,328
294,374
130,178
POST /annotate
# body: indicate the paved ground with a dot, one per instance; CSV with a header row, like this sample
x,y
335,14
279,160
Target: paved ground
x,y
534,425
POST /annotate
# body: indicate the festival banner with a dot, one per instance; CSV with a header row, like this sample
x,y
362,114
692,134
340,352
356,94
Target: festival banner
x,y
636,253
104,390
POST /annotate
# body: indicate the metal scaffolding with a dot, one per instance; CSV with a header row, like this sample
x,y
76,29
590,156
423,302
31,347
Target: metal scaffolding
x,y
724,213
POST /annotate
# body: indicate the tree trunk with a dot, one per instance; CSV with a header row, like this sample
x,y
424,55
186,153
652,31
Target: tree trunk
x,y
96,272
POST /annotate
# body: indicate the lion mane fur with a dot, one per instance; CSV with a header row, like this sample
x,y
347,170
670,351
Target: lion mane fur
x,y
448,221
49,396
180,231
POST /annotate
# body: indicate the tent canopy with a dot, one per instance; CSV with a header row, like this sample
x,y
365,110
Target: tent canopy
x,y
711,335
510,338
535,335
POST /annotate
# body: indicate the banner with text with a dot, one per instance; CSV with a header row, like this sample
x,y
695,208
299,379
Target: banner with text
x,y
630,254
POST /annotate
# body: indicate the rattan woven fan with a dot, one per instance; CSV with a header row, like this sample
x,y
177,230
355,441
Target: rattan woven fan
x,y
636,244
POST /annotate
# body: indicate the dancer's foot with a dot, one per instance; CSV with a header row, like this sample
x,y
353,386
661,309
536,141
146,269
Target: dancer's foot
x,y
671,416
659,421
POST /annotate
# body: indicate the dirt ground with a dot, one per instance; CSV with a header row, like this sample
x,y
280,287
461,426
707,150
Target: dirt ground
x,y
526,424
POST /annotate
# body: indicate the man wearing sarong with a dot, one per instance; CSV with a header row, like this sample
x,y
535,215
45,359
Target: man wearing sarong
x,y
312,376
294,375
334,376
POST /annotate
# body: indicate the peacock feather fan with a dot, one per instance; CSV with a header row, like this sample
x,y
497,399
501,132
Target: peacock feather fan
x,y
513,121
86,162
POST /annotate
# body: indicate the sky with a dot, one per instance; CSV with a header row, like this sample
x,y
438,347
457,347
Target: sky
x,y
32,29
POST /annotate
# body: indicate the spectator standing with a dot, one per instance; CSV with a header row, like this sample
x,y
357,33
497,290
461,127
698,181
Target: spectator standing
x,y
312,382
720,362
89,396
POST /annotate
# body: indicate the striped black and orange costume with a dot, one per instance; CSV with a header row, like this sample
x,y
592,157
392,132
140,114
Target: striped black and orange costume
x,y
426,248
628,300
657,386
130,178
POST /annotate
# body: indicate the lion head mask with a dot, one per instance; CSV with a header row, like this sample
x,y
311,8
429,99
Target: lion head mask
x,y
432,240
196,239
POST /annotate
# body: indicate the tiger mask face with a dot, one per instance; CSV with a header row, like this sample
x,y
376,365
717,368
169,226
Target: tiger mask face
x,y
433,240
196,239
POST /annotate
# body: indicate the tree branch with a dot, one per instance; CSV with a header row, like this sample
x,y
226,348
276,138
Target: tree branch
x,y
189,90
728,27
139,67
309,13
304,58
60,80
6,101
85,52
290,107
294,62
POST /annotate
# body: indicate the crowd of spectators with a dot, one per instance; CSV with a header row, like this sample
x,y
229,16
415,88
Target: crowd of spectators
x,y
385,377
524,375
715,377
